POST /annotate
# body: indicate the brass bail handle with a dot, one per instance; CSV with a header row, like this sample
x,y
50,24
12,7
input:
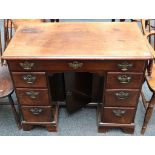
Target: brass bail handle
x,y
36,111
75,64
30,79
119,112
124,66
124,79
26,65
32,94
122,95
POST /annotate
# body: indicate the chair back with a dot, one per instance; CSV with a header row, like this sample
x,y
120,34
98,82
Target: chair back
x,y
8,31
149,33
148,29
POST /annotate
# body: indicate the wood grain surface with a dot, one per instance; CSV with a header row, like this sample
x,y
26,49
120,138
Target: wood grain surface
x,y
78,41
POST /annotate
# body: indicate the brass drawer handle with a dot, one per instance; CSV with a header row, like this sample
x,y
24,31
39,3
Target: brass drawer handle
x,y
26,65
122,95
30,79
75,64
124,79
36,111
124,66
32,94
119,112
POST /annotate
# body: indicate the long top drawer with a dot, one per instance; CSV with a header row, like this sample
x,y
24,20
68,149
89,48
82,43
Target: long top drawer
x,y
81,65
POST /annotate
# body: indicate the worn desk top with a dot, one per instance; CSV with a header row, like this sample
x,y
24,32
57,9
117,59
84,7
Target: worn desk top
x,y
78,41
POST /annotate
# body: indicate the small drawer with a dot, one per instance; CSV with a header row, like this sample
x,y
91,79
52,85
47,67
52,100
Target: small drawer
x,y
28,79
77,65
118,115
37,113
33,97
121,97
119,80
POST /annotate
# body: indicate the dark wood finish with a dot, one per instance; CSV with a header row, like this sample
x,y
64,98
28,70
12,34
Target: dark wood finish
x,y
56,83
126,129
51,126
83,47
94,65
118,115
114,83
104,127
129,130
35,97
38,79
27,127
97,88
78,90
121,97
37,113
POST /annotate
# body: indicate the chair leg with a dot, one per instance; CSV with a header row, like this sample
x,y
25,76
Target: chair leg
x,y
16,114
148,113
149,68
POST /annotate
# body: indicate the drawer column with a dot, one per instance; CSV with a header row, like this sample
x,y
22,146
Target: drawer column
x,y
120,98
33,94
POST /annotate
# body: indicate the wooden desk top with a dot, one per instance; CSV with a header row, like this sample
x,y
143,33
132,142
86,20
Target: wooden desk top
x,y
18,22
78,41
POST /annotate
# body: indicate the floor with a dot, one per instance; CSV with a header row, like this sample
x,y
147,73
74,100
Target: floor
x,y
81,123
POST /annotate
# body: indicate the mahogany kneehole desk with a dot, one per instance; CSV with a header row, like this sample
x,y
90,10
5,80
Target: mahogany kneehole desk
x,y
115,51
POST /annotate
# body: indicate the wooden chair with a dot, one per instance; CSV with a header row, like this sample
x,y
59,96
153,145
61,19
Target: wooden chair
x,y
149,78
148,31
6,87
8,31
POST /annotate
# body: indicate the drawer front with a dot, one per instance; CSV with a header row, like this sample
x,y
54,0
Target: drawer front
x,y
37,113
118,115
121,97
28,79
33,97
78,65
116,80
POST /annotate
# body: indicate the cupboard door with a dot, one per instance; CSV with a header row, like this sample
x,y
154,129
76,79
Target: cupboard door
x,y
78,88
